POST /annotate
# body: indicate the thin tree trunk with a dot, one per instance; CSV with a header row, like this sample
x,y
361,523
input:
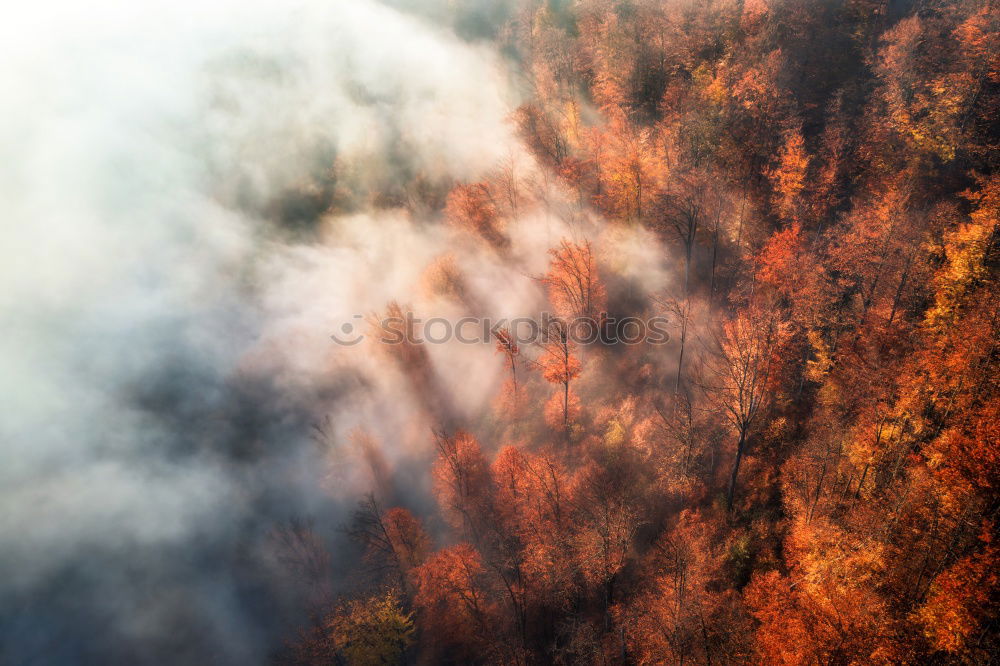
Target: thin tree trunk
x,y
847,488
566,408
899,290
680,356
802,371
736,469
870,296
638,203
704,638
861,483
687,267
739,230
819,490
566,413
715,252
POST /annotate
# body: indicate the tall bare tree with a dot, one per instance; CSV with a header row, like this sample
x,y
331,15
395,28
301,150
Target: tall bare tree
x,y
740,373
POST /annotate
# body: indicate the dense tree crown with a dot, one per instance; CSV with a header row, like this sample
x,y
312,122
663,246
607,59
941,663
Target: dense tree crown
x,y
809,473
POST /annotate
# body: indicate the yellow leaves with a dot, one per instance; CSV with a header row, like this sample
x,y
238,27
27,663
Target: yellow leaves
x,y
633,166
876,432
371,632
934,113
831,561
572,123
821,362
965,250
949,93
789,174
716,91
614,435
828,604
931,83
703,76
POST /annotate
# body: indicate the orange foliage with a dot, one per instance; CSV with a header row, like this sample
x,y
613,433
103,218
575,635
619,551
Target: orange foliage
x,y
959,600
461,479
472,207
450,601
789,174
820,485
574,286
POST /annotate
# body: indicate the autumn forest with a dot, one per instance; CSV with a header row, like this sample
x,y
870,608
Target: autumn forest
x,y
801,467
808,472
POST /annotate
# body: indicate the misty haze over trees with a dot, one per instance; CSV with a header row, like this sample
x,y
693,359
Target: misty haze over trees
x,y
197,197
